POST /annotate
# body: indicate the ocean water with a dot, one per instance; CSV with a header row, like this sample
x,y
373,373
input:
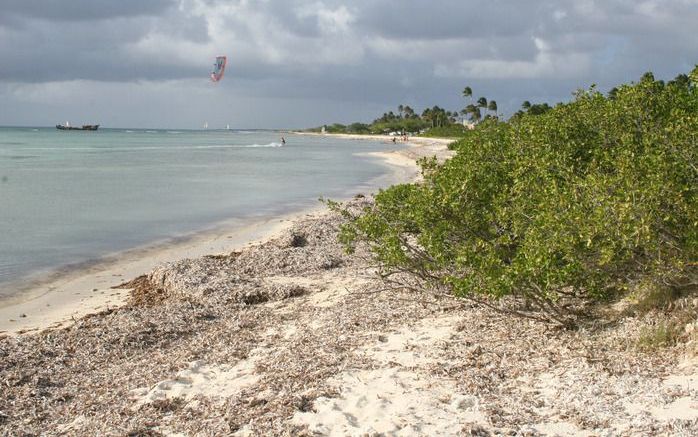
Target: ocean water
x,y
69,197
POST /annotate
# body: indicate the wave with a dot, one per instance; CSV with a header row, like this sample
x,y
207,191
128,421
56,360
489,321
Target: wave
x,y
239,146
265,145
170,148
21,156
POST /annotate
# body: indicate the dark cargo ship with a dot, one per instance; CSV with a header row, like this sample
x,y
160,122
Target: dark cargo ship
x,y
83,127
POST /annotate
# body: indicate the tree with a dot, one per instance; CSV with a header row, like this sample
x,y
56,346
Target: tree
x,y
427,115
476,115
492,106
467,92
482,102
681,81
471,111
647,77
526,105
539,108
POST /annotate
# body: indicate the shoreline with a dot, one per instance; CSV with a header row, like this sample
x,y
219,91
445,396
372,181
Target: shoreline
x,y
59,298
67,295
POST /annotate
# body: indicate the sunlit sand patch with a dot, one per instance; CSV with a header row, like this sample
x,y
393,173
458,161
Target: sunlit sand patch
x,y
392,402
200,379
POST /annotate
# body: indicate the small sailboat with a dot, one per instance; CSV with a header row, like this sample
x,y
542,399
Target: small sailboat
x,y
206,125
227,127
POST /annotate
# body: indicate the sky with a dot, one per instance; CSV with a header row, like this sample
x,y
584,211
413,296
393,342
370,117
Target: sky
x,y
304,63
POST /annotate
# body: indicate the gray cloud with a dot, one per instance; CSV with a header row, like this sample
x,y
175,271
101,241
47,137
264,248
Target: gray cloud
x,y
79,10
347,57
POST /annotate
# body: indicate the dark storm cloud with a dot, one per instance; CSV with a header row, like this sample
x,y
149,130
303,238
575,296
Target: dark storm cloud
x,y
47,48
76,10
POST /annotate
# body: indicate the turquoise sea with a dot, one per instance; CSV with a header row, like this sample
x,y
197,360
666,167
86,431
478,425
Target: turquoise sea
x,y
68,198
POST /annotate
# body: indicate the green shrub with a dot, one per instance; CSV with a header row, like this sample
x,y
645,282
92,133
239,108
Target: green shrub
x,y
580,202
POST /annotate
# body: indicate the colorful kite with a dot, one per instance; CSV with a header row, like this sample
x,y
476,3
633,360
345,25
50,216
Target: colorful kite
x,y
218,68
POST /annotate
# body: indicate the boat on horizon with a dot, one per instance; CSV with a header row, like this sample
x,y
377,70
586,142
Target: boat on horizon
x,y
67,126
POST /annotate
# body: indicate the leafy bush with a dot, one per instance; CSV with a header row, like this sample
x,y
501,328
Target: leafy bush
x,y
578,203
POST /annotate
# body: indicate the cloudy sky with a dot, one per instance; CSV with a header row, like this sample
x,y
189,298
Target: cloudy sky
x,y
301,63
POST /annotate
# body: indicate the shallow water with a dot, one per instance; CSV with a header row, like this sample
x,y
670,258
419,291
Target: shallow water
x,y
71,197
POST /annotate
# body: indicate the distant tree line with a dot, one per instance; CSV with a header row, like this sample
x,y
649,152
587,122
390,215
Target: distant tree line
x,y
434,121
405,120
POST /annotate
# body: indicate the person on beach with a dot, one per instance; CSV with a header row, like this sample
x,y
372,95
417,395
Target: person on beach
x,y
394,140
283,141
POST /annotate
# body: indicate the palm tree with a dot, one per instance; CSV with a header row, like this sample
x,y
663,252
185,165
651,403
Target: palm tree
x,y
482,102
476,114
467,92
400,109
492,106
472,111
428,116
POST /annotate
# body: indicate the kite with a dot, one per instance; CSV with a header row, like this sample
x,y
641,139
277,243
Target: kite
x,y
218,68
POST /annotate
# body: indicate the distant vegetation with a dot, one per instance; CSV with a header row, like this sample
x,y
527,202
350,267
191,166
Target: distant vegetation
x,y
434,121
555,208
404,121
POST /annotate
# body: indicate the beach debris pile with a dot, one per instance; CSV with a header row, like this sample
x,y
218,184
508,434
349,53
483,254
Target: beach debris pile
x,y
309,246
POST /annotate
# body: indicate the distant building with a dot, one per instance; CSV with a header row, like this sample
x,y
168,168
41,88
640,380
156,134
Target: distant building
x,y
468,124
